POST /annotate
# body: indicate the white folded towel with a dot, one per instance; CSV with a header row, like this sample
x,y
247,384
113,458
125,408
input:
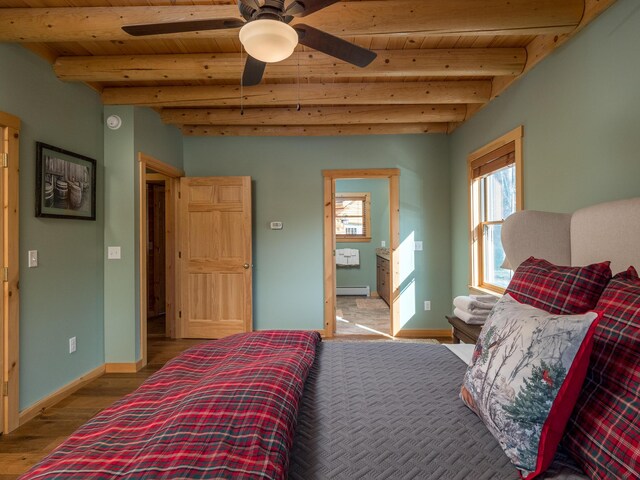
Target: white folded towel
x,y
492,299
470,304
475,318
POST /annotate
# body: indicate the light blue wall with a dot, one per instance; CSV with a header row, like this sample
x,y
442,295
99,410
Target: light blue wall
x,y
365,273
119,230
62,297
141,131
580,109
287,186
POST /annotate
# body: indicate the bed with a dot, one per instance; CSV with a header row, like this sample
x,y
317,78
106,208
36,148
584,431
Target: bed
x,y
336,410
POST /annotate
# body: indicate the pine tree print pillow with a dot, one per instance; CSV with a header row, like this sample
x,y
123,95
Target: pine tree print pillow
x,y
525,376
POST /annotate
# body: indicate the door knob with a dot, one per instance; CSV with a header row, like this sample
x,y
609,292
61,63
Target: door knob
x,y
246,266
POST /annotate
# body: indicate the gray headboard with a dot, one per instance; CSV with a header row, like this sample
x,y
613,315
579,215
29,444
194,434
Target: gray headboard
x,y
607,231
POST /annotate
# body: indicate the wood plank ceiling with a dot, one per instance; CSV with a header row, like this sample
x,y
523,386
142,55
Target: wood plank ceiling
x,y
439,61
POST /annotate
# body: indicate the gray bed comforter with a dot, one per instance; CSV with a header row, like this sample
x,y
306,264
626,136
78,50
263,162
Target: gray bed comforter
x,y
382,410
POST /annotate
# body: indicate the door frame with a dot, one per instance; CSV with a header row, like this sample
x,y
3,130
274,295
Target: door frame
x,y
9,310
330,177
171,176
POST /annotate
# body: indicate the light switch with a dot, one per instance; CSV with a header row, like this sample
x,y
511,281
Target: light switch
x,y
113,253
383,243
418,246
33,258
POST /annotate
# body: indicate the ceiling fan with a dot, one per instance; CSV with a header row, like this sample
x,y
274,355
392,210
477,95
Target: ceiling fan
x,y
266,34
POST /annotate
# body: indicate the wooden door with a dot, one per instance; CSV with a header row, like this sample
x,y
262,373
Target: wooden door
x,y
215,256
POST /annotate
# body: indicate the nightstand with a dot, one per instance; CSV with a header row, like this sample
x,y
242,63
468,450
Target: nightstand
x,y
463,331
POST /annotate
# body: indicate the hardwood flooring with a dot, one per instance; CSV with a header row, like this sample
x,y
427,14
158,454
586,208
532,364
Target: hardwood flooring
x,y
362,316
28,444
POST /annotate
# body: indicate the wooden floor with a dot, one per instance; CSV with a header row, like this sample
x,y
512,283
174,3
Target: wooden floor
x,y
25,446
359,315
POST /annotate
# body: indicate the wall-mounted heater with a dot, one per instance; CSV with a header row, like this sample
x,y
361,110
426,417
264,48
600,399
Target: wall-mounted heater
x,y
366,291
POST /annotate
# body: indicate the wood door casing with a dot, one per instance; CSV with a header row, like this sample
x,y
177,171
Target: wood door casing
x,y
215,256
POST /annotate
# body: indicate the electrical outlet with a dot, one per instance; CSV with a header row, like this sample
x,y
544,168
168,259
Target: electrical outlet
x,y
427,305
276,225
72,344
418,246
33,258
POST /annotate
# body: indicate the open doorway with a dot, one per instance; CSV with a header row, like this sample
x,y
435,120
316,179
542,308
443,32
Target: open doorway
x,y
361,212
157,325
358,311
158,197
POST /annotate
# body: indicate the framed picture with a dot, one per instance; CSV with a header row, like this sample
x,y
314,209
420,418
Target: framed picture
x,y
65,184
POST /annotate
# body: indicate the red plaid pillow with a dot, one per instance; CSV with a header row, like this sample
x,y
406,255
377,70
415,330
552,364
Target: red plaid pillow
x,y
558,289
603,434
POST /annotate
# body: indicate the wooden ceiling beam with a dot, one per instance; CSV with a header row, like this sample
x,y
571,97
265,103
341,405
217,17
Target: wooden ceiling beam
x,y
264,95
369,17
312,130
228,66
370,114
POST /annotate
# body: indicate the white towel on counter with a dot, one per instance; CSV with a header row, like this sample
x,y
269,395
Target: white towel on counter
x,y
476,318
470,304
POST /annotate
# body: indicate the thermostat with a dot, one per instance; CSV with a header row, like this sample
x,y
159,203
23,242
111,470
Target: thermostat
x,y
276,225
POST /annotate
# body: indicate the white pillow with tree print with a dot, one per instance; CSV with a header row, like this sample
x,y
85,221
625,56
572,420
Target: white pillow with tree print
x,y
525,376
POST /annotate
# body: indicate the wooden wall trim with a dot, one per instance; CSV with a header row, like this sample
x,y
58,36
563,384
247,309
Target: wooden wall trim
x,y
159,166
440,334
394,251
10,252
53,398
8,120
511,136
131,367
329,259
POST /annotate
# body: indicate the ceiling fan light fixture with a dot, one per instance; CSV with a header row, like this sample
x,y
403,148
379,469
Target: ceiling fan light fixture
x,y
268,40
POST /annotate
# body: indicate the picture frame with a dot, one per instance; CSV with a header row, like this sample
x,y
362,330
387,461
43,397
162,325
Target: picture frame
x,y
65,184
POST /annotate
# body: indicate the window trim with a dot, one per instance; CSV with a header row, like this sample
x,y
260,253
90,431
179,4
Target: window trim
x,y
474,162
366,198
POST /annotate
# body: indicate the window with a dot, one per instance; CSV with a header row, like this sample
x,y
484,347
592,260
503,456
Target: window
x,y
495,177
352,217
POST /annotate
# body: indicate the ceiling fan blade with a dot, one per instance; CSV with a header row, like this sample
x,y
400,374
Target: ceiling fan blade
x,y
302,8
181,27
334,46
253,71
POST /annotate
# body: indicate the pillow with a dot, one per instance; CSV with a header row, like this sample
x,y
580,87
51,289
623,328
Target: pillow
x,y
558,289
525,377
603,434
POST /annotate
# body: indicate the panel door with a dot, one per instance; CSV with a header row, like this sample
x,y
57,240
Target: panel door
x,y
215,256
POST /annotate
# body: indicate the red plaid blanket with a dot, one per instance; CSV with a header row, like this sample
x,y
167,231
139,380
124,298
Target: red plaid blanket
x,y
223,409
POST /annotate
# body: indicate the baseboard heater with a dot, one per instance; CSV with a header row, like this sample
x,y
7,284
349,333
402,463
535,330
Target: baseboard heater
x,y
366,291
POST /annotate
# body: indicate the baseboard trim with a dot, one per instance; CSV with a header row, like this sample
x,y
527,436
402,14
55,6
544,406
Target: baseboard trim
x,y
123,367
53,398
425,333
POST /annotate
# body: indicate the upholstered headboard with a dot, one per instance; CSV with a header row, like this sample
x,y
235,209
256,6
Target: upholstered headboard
x,y
607,231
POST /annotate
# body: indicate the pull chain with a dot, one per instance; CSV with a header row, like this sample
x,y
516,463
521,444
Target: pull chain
x,y
298,108
241,79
